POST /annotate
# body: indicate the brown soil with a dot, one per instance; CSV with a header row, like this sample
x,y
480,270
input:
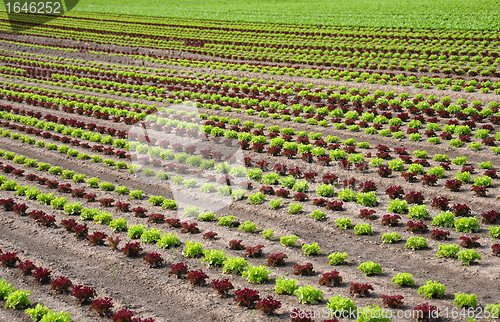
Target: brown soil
x,y
153,293
485,98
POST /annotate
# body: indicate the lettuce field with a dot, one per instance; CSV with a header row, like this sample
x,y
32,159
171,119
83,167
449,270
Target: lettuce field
x,y
440,14
249,161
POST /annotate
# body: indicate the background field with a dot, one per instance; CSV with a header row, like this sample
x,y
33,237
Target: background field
x,y
441,14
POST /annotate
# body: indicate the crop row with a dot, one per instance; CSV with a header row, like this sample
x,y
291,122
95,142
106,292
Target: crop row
x,y
187,150
286,182
284,33
370,77
305,149
446,220
49,101
396,205
346,161
306,294
352,116
359,77
214,258
362,44
357,96
19,299
256,88
336,154
177,24
162,123
323,53
132,83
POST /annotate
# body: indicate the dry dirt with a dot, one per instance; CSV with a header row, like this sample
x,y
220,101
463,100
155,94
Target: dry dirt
x,y
153,293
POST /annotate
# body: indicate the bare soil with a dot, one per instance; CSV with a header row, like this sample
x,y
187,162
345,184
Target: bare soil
x,y
154,293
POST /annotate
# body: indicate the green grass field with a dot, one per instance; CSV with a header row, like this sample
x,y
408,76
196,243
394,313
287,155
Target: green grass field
x,y
434,14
